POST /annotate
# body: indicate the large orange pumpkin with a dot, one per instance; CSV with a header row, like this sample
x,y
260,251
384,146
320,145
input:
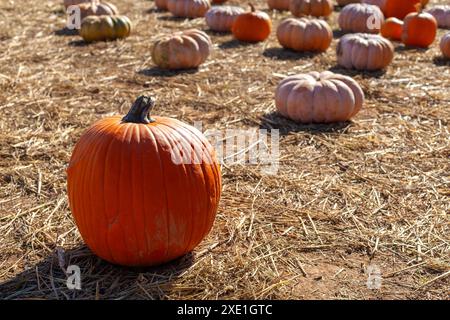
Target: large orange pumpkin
x,y
253,26
142,190
419,29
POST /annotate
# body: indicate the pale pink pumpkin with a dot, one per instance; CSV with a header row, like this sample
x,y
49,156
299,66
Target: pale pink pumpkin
x,y
316,8
319,97
359,17
182,50
221,18
442,15
304,34
445,45
363,51
188,8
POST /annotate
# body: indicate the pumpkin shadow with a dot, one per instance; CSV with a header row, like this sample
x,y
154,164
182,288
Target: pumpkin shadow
x,y
46,279
155,10
441,61
158,72
338,33
233,43
78,43
218,33
64,32
274,120
173,18
287,54
403,48
354,72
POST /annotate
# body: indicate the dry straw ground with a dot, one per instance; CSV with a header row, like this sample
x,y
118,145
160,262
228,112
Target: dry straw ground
x,y
371,192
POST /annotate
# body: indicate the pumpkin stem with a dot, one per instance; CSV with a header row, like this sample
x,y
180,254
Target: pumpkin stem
x,y
252,7
140,110
420,6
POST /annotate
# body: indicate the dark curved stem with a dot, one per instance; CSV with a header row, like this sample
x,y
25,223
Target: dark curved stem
x,y
140,110
252,7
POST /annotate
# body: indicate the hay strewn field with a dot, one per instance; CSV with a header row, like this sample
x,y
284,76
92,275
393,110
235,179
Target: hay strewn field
x,y
374,191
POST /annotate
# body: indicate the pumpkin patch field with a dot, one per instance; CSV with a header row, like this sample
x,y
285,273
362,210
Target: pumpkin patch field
x,y
357,204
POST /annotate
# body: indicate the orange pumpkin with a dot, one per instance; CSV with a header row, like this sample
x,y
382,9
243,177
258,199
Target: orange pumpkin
x,y
445,45
278,4
319,97
253,26
400,8
304,34
136,198
392,29
363,51
188,8
357,17
419,29
316,8
182,50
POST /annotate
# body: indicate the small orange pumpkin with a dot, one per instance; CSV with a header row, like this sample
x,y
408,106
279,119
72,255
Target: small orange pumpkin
x,y
136,198
319,97
392,29
253,26
445,45
316,8
305,34
419,29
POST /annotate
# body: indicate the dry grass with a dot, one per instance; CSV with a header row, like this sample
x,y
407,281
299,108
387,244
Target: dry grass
x,y
373,191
